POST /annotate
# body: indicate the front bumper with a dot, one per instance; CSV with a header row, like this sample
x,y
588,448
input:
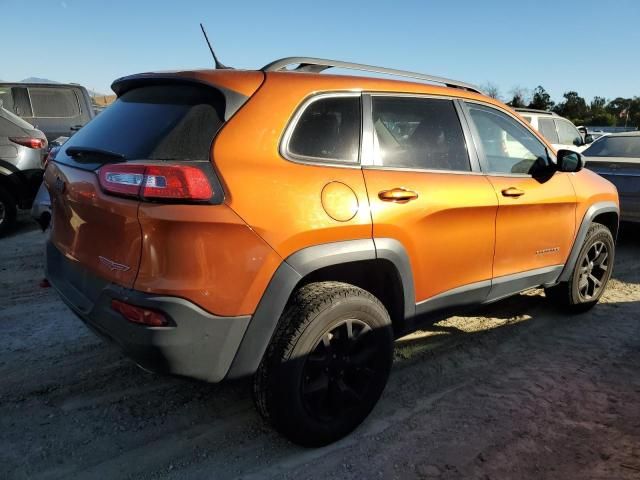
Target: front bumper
x,y
197,344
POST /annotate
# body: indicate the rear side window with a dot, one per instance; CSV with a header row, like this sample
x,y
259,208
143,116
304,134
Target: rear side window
x,y
21,103
164,122
54,102
420,133
329,130
6,99
547,128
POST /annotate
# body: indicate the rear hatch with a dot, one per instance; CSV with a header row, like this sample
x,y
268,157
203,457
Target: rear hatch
x,y
154,135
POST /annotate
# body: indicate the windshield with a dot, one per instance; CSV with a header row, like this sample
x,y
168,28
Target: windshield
x,y
628,146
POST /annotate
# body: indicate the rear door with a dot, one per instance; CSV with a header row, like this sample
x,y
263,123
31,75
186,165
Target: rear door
x,y
536,217
163,123
426,191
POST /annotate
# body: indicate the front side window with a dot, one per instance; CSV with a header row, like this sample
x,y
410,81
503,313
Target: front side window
x,y
547,128
507,145
328,129
418,133
54,102
568,134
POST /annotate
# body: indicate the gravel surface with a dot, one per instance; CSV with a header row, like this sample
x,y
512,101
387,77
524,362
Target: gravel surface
x,y
515,391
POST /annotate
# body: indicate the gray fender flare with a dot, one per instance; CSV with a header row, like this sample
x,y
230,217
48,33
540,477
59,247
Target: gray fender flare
x,y
592,212
297,266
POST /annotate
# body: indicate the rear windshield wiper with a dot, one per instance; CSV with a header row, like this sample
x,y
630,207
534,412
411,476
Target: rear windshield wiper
x,y
85,153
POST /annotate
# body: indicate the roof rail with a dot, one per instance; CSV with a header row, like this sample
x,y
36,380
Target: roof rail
x,y
317,65
534,110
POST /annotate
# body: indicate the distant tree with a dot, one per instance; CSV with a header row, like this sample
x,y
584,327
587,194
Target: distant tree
x,y
520,98
574,108
492,90
541,100
598,104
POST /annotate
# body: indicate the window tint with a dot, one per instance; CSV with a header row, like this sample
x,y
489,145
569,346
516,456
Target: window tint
x,y
21,103
547,128
567,133
54,102
165,122
328,129
6,99
508,146
628,146
420,133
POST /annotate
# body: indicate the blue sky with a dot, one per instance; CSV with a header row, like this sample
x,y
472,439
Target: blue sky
x,y
589,46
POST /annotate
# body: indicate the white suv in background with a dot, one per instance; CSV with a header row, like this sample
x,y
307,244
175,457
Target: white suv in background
x,y
560,132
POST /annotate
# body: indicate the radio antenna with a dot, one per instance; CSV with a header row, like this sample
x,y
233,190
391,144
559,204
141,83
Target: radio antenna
x,y
217,63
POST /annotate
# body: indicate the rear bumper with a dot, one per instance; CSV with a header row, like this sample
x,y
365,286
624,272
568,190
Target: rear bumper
x,y
197,344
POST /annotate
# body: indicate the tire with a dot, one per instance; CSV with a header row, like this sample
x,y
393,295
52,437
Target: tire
x,y
317,382
590,274
8,211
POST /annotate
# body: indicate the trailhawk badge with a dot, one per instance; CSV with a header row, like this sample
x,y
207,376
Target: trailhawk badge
x,y
113,266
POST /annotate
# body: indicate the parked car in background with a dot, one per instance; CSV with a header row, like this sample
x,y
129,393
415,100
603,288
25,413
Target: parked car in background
x,y
22,151
617,158
289,225
56,109
560,132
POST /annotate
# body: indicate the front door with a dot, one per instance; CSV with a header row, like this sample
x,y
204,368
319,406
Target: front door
x,y
536,216
426,191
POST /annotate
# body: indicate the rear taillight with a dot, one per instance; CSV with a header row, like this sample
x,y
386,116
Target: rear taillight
x,y
170,182
143,316
30,142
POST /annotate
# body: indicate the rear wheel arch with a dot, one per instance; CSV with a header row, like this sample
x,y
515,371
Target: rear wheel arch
x,y
356,262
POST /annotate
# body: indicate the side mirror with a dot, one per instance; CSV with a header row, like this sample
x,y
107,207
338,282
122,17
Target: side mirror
x,y
569,161
588,138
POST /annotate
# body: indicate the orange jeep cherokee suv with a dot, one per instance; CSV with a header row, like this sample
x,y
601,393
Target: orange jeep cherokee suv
x,y
288,224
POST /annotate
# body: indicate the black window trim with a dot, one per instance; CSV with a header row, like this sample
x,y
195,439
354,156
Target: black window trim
x,y
75,94
368,146
483,161
319,161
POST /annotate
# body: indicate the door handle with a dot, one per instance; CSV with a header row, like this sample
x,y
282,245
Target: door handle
x,y
512,192
397,195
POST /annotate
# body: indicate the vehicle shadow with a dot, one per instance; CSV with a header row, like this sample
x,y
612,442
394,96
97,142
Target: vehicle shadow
x,y
24,224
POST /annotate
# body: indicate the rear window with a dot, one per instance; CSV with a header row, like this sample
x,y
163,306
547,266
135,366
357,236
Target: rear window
x,y
54,102
164,122
615,147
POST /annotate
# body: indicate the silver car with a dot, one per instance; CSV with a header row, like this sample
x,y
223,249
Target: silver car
x,y
22,150
617,158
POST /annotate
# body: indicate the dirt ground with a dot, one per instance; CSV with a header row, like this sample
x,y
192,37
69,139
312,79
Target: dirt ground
x,y
517,391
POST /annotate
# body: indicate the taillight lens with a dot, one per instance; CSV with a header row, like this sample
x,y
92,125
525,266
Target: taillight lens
x,y
30,142
172,182
143,316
